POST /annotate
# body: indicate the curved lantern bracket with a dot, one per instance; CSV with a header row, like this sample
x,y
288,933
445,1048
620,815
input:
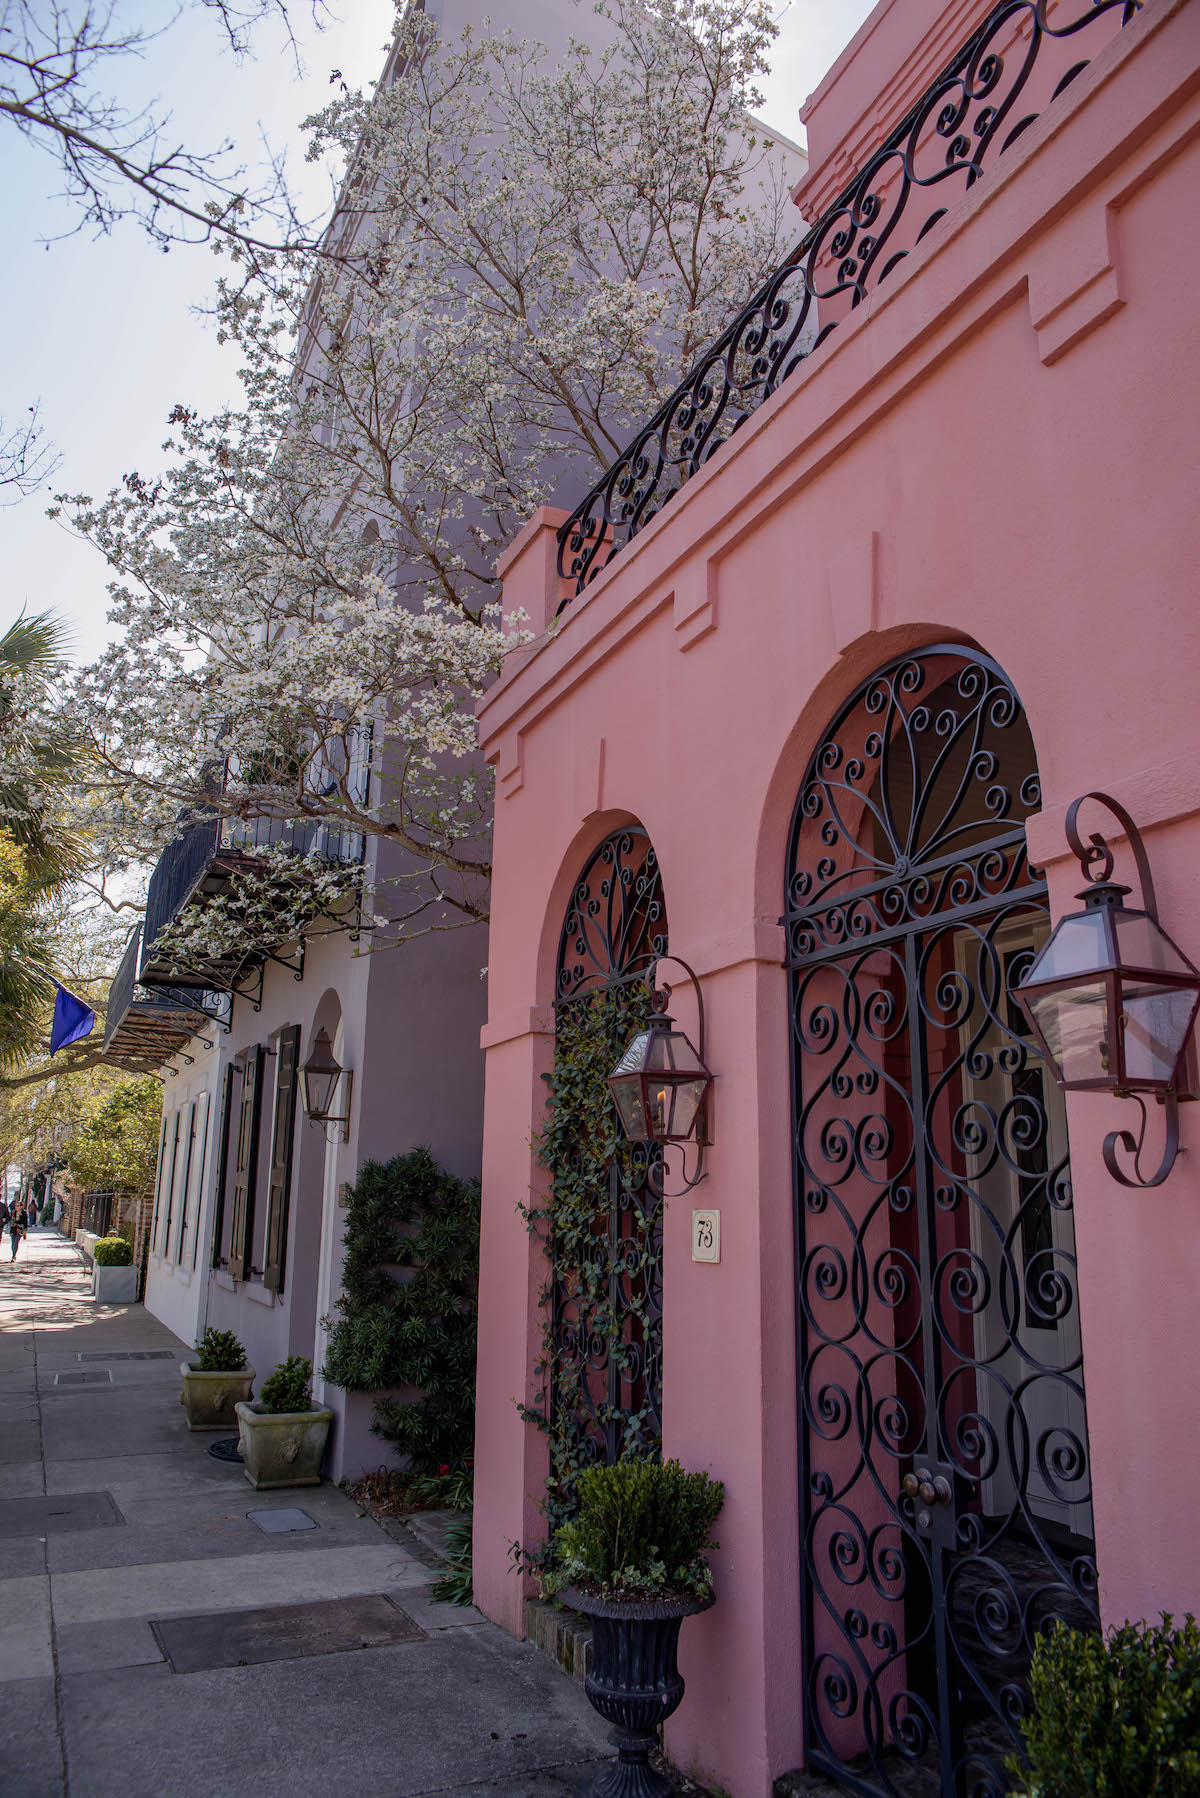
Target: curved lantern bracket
x,y
1134,1145
1096,849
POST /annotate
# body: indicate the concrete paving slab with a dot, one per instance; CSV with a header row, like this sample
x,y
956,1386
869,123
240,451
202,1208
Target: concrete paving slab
x,y
441,1716
30,1755
128,1476
434,1617
21,1479
25,1629
553,1782
20,1558
117,1642
19,1441
223,1530
86,1426
173,1588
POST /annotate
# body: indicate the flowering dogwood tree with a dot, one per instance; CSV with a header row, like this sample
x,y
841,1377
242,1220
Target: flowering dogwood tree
x,y
528,257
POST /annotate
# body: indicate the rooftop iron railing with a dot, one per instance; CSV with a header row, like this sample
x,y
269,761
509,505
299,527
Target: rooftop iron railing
x,y
962,123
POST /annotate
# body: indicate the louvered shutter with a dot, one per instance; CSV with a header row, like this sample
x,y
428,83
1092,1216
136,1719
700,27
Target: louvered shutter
x,y
222,1166
245,1173
166,1239
158,1184
187,1180
203,1133
275,1258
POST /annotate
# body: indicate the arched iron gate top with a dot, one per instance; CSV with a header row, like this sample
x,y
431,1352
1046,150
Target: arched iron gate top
x,y
616,920
928,762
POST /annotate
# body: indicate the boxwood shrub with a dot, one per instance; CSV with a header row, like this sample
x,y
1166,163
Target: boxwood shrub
x,y
1116,1715
219,1351
112,1251
641,1531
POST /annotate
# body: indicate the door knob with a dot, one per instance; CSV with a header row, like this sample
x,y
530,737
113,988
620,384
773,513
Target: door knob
x,y
943,1492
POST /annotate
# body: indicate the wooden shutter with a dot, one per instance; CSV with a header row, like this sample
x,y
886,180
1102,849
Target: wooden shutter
x,y
166,1239
162,1156
187,1180
222,1166
200,1181
286,1077
245,1171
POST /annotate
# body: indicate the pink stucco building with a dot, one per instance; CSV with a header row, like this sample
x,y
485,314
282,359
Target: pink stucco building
x,y
814,726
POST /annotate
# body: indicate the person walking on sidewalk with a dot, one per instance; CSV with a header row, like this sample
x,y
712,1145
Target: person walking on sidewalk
x,y
17,1227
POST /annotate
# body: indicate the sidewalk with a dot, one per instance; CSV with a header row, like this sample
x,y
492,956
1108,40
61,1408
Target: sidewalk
x,y
114,1520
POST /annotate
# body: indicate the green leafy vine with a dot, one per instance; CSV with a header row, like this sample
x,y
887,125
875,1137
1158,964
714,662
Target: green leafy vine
x,y
600,1223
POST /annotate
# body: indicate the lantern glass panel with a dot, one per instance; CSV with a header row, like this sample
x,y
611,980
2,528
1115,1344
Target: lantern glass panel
x,y
627,1092
1078,945
1141,943
1074,1023
1156,1023
673,1107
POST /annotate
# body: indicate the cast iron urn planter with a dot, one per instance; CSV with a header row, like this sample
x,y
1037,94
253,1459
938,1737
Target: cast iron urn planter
x,y
635,1682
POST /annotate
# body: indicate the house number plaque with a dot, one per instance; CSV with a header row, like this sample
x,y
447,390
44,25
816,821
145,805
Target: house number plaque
x,y
706,1235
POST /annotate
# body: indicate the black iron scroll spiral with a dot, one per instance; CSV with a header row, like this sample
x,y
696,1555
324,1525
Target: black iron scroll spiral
x,y
937,1298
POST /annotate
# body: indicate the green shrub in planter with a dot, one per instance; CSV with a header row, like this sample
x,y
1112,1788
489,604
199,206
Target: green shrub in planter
x,y
112,1251
1115,1716
219,1351
642,1531
289,1387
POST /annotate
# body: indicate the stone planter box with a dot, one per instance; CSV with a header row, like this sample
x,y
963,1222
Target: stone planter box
x,y
282,1448
210,1399
114,1285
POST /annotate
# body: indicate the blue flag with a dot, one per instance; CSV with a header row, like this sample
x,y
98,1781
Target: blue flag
x,y
72,1020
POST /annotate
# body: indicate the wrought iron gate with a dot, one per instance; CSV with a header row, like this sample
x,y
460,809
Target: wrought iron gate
x,y
605,1374
945,1489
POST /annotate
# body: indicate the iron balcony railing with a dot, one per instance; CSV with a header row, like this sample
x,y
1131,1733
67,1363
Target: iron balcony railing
x,y
177,873
215,843
121,992
993,90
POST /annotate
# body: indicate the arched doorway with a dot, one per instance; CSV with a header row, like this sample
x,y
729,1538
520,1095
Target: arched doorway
x,y
604,1386
945,1489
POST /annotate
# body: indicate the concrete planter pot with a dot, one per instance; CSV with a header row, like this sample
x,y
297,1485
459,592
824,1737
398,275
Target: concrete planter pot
x,y
282,1448
114,1285
635,1683
210,1398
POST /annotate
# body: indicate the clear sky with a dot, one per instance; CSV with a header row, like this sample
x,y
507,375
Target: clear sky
x,y
104,333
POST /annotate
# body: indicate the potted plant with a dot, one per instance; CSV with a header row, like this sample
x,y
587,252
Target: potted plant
x,y
633,1560
114,1277
282,1437
215,1381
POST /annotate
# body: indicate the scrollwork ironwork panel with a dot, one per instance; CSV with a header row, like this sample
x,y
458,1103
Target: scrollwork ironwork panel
x,y
944,1464
605,1377
1017,62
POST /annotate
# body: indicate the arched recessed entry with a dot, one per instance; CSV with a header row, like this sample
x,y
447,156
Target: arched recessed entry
x,y
604,1384
945,1485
